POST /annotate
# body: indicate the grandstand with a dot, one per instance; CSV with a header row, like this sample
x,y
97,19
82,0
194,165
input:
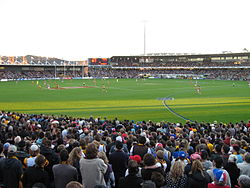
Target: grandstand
x,y
225,66
231,66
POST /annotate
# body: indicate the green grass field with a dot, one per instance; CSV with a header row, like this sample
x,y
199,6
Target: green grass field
x,y
131,99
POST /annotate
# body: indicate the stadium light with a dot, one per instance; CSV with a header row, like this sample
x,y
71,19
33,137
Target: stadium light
x,y
144,36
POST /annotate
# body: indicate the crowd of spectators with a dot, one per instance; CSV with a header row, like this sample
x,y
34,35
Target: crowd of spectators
x,y
221,74
60,151
182,64
37,74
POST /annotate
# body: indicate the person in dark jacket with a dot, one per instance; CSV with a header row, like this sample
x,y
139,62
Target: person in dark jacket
x,y
50,155
198,178
36,173
12,169
131,180
233,170
140,149
64,172
119,161
2,157
150,167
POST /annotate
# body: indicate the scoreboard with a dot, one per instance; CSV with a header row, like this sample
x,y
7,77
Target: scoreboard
x,y
98,61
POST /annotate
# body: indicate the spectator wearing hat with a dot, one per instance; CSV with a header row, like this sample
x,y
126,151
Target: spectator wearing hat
x,y
140,148
218,164
64,172
182,147
124,146
119,161
131,180
220,179
36,173
182,156
232,169
193,157
5,148
137,159
34,151
12,169
245,166
244,181
197,177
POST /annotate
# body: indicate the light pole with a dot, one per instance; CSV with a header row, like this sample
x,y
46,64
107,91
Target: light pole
x,y
144,36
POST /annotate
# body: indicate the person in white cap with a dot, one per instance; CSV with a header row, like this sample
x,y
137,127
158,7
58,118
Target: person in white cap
x,y
12,169
124,147
34,151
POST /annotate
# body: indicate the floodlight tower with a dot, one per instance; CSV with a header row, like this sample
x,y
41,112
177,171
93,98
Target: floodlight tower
x,y
144,36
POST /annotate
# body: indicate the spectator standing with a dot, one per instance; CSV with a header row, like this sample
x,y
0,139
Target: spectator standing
x,y
2,157
217,163
36,173
225,154
74,160
12,169
150,167
131,180
124,147
232,169
119,161
92,168
244,181
245,166
138,159
176,178
109,174
34,151
220,179
198,178
50,155
207,164
140,148
64,172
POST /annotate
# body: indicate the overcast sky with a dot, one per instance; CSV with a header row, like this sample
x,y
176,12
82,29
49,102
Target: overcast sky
x,y
78,29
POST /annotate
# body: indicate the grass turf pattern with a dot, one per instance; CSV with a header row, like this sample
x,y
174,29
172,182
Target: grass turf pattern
x,y
131,99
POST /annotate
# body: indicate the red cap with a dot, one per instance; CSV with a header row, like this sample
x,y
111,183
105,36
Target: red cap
x,y
136,158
